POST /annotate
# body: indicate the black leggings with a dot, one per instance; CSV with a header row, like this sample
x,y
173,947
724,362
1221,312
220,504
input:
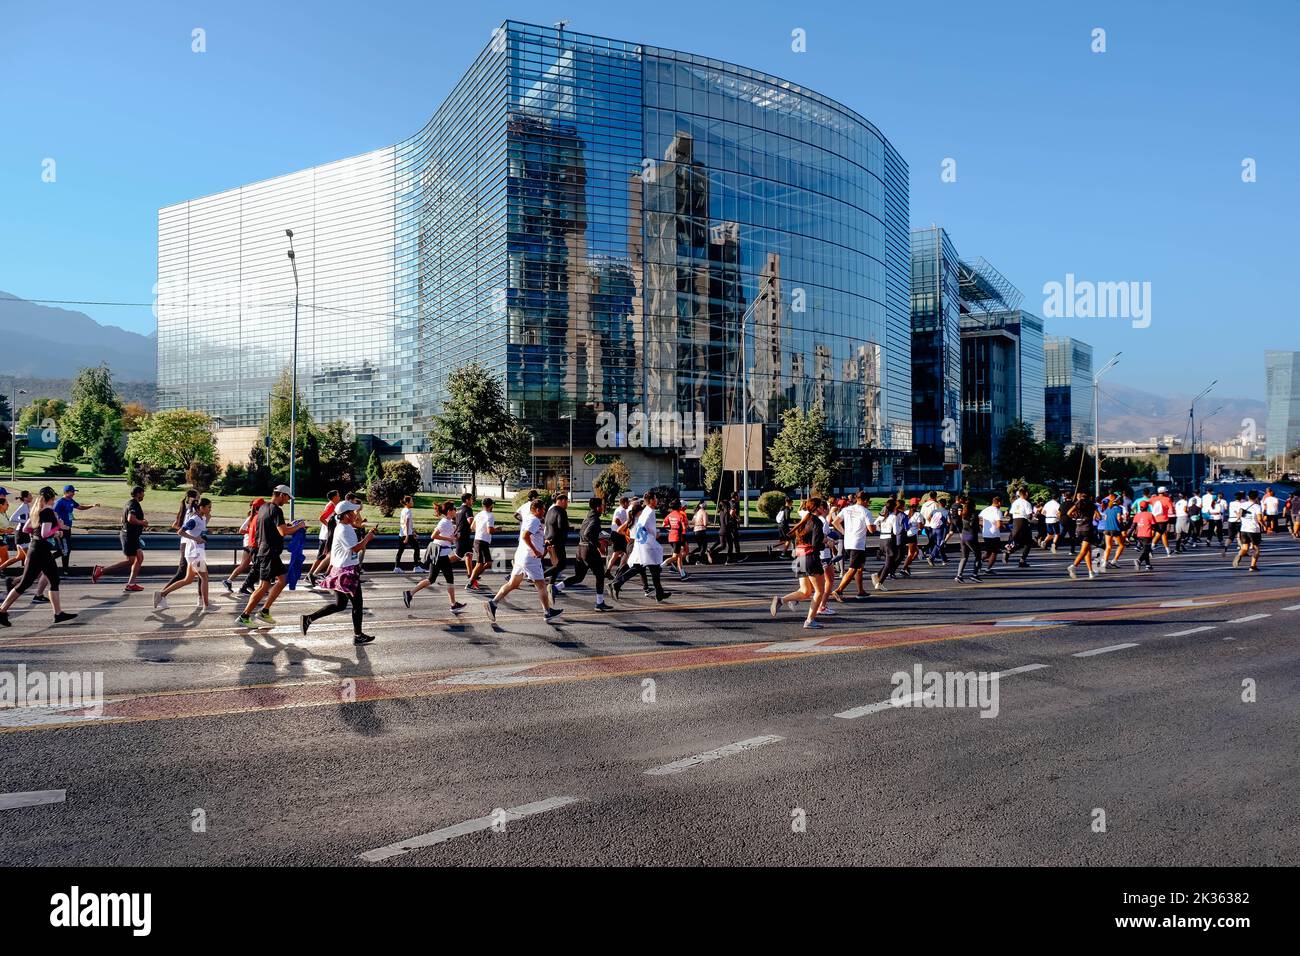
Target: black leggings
x,y
581,565
38,563
411,541
181,569
561,562
968,553
340,602
631,569
701,544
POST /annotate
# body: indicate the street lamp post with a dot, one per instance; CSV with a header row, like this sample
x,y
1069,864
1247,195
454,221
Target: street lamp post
x,y
744,387
1096,427
532,441
1191,417
293,385
13,429
570,418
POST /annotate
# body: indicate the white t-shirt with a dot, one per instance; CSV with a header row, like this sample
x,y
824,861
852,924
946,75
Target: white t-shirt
x,y
855,519
1180,508
341,553
1250,514
928,509
1021,508
484,522
937,515
194,550
523,511
618,520
20,514
991,521
1052,511
447,529
1234,510
408,522
1270,504
887,525
530,529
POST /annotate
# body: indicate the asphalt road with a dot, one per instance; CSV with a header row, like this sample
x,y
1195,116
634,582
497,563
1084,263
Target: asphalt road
x,y
698,731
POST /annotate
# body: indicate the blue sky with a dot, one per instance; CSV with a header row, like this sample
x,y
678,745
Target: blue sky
x,y
1115,166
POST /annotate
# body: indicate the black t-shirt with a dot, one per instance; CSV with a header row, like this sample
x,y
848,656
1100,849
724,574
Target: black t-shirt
x,y
132,509
464,523
42,544
269,539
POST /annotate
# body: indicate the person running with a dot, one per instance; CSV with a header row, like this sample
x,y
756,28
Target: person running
x,y
937,525
1022,539
183,512
1272,511
248,553
441,545
1215,514
911,535
327,525
783,527
407,538
588,555
887,543
724,522
343,578
22,537
528,565
700,532
855,522
647,553
1234,519
1082,513
65,508
969,524
1253,522
1052,521
465,532
194,536
618,534
485,523
44,528
991,521
271,572
1114,529
133,526
557,542
676,522
809,539
1144,532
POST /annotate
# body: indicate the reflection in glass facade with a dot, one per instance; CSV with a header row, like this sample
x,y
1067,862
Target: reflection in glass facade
x,y
1068,394
1282,392
600,222
936,362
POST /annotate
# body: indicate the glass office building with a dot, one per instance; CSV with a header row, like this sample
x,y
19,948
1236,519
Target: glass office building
x,y
1282,393
1068,397
935,461
601,223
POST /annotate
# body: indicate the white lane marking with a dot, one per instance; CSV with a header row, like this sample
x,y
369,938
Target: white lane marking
x,y
1248,618
1191,630
44,716
808,644
1103,650
677,766
1293,607
1028,621
494,675
31,798
855,712
463,829
1022,669
1190,602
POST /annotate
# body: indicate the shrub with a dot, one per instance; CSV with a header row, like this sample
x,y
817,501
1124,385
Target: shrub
x,y
201,475
106,459
384,495
68,450
771,502
233,480
612,480
664,495
404,477
61,468
522,495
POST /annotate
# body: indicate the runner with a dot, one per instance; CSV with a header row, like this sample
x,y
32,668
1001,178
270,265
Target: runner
x,y
1234,519
528,565
618,532
1052,520
248,553
183,512
887,543
1022,513
441,545
677,522
829,558
1082,513
911,519
194,535
1182,523
485,523
465,532
855,522
133,525
43,527
22,537
1272,510
271,531
65,508
700,531
647,553
557,542
589,556
327,525
1144,530
968,523
1253,522
783,528
809,538
342,579
1113,528
937,524
407,538
991,531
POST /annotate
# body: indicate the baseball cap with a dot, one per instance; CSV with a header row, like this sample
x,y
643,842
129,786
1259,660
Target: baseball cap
x,y
343,507
1162,490
914,501
258,502
282,490
69,488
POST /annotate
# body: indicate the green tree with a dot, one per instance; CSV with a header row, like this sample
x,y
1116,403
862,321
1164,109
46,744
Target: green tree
x,y
471,431
338,457
173,440
374,468
516,455
804,453
1018,452
711,463
36,413
95,412
613,479
307,466
106,457
403,476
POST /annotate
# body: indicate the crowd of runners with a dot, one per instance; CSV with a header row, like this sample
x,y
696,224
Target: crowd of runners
x,y
827,540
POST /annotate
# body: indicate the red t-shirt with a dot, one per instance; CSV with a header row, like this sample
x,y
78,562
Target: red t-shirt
x,y
1144,524
676,525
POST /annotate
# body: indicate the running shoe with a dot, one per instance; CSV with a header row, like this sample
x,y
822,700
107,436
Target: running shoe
x,y
838,597
304,622
40,599
458,606
397,570
159,601
1073,574
776,605
244,620
664,596
406,598
827,611
63,616
419,570
552,613
4,619
602,606
133,588
230,588
812,626
96,574
492,610
265,616
362,639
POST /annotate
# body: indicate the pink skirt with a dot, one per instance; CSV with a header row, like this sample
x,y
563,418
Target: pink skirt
x,y
344,580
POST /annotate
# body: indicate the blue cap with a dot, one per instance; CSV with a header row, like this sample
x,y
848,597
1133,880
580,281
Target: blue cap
x,y
69,488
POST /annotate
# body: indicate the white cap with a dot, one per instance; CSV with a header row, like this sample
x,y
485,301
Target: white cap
x,y
282,490
343,507
1162,490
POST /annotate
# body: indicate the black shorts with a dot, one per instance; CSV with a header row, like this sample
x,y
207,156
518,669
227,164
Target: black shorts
x,y
1251,537
808,565
323,549
131,544
618,543
269,566
464,546
680,546
1162,527
857,559
992,545
441,566
483,552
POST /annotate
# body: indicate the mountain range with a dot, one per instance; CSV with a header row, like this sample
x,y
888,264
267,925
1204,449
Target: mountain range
x,y
1131,414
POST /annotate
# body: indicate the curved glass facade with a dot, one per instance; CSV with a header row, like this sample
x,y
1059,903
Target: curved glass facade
x,y
602,223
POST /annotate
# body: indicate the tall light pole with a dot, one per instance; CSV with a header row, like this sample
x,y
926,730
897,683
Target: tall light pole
x,y
532,441
1204,419
1096,426
13,429
293,386
1191,417
570,418
744,386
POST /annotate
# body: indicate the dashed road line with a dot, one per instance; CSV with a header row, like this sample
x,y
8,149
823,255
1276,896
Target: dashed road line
x,y
31,798
853,713
497,818
1248,618
1022,669
1191,630
1103,650
677,766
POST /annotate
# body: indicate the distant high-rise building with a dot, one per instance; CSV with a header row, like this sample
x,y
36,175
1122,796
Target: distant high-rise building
x,y
1282,388
936,362
1068,398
